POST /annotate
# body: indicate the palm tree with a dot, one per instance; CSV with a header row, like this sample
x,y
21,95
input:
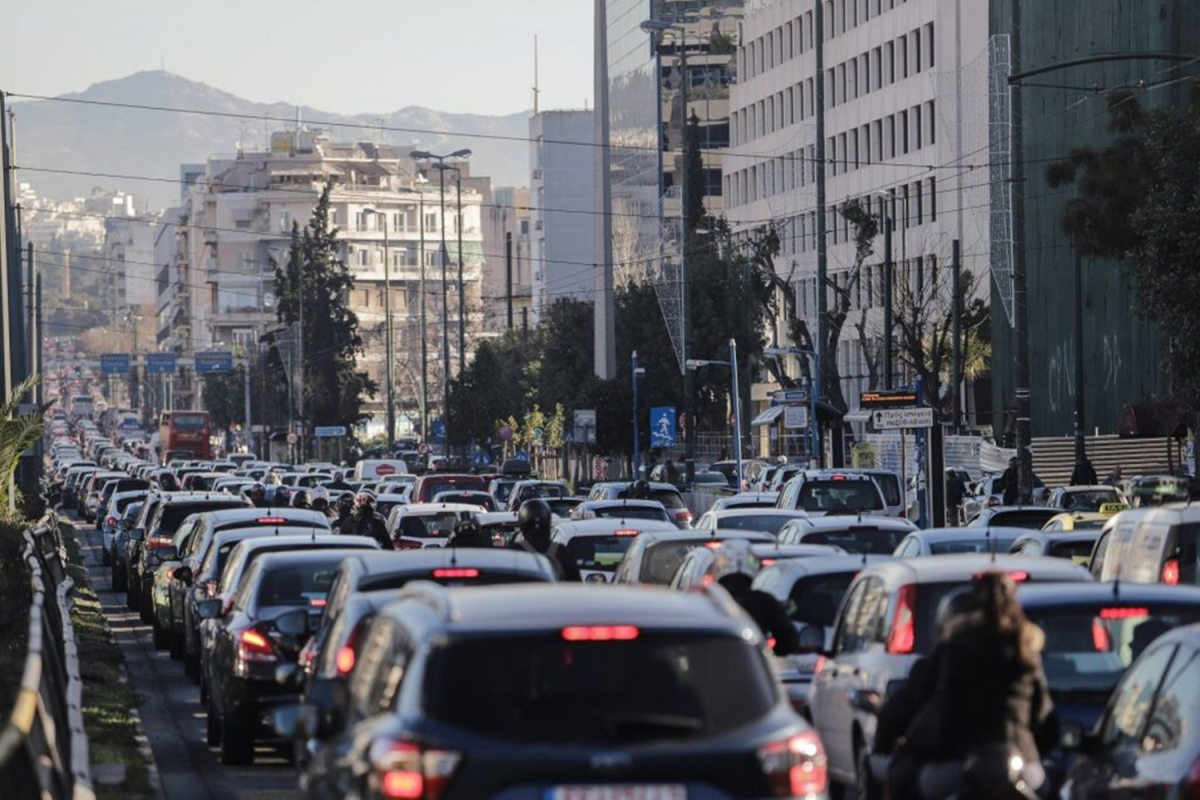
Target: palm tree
x,y
18,433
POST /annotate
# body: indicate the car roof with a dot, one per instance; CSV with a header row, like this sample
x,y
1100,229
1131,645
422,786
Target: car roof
x,y
653,537
860,521
768,549
225,516
819,565
606,525
764,511
433,508
496,517
969,534
535,607
227,535
964,566
1121,594
1089,535
1189,634
171,498
620,501
425,559
297,540
285,557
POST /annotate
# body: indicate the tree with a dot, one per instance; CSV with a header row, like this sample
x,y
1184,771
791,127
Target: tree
x,y
224,397
18,433
315,279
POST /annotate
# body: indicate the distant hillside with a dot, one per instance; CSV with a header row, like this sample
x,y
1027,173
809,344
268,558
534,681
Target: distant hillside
x,y
123,141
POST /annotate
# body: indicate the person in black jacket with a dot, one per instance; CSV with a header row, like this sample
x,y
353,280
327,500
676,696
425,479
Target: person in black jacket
x,y
369,522
344,521
734,567
467,533
533,520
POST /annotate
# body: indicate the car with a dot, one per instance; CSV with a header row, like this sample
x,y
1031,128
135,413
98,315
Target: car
x,y
876,535
273,610
664,493
821,492
501,526
947,541
112,514
745,500
640,694
654,556
888,481
811,589
1087,498
884,624
1152,544
989,491
119,560
1031,517
529,489
431,484
650,510
1076,521
700,566
378,468
464,497
1077,545
201,481
1146,743
598,545
426,524
768,520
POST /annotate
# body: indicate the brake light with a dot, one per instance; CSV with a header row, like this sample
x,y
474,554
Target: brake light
x,y
255,646
903,637
1019,576
796,766
456,573
1101,640
317,602
345,660
155,542
270,520
1170,572
625,532
600,633
766,562
408,772
839,477
1124,613
771,643
712,545
684,515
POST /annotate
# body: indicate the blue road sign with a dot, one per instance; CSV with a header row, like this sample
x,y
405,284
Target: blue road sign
x,y
662,426
329,431
214,361
439,430
114,364
160,363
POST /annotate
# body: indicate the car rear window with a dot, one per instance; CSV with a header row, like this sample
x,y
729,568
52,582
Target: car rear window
x,y
450,576
631,512
845,496
1089,500
767,523
889,485
433,488
1089,649
858,539
669,498
978,544
815,600
1033,520
175,513
428,526
304,584
661,559
598,552
546,690
1079,551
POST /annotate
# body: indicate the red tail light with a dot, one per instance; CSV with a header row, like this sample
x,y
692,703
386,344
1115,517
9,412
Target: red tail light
x,y
255,646
270,520
456,573
406,771
155,542
1101,640
347,655
625,532
683,515
600,633
1124,613
903,637
796,766
1170,572
111,522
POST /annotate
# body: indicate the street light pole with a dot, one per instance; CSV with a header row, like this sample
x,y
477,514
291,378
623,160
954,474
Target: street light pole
x,y
462,327
424,324
737,412
637,373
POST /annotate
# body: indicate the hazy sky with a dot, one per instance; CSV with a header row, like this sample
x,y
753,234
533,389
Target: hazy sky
x,y
348,57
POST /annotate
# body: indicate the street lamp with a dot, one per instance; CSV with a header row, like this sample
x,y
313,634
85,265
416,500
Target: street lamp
x,y
462,335
693,363
387,316
638,372
888,270
814,433
423,155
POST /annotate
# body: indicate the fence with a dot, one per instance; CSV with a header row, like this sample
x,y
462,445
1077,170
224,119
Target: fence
x,y
43,747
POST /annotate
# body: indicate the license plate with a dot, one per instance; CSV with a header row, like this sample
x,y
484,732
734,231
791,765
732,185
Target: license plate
x,y
626,792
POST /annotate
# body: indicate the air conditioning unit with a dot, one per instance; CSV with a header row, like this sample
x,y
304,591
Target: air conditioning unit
x,y
537,174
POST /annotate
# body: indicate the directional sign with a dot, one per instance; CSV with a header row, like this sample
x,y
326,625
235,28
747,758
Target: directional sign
x,y
585,425
662,426
891,418
214,361
795,417
790,396
114,364
160,363
329,431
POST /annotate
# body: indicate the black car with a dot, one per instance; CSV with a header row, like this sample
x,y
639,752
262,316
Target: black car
x,y
119,561
274,608
556,691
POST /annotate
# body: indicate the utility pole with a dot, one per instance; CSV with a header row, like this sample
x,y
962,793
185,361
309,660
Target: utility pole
x,y
1020,287
822,253
685,241
888,271
1080,449
300,354
462,305
508,265
956,367
381,216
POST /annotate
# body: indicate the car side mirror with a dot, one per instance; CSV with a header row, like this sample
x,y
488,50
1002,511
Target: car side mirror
x,y
1074,738
292,623
183,575
209,609
812,639
137,534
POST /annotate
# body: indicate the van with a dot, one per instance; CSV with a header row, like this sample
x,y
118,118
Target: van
x,y
376,468
1154,545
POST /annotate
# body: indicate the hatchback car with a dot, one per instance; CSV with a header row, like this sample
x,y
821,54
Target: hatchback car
x,y
822,492
875,535
639,694
598,545
623,509
767,520
664,493
1075,546
1031,517
426,524
1087,498
654,556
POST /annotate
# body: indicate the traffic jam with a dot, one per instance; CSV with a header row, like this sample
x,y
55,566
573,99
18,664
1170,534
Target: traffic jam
x,y
396,631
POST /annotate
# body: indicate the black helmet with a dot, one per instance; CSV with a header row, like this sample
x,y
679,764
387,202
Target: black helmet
x,y
257,490
345,501
301,499
638,490
534,517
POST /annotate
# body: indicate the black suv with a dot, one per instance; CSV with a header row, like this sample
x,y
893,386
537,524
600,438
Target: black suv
x,y
556,691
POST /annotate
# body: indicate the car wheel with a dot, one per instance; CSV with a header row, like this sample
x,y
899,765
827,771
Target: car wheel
x,y
158,634
118,577
175,640
132,595
146,605
191,664
105,557
212,728
237,741
866,787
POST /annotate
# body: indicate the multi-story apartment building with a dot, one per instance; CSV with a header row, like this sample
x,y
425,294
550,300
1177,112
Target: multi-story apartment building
x,y
561,189
507,218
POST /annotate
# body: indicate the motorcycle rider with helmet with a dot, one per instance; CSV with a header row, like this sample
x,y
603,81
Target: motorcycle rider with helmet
x,y
468,533
533,522
734,569
366,521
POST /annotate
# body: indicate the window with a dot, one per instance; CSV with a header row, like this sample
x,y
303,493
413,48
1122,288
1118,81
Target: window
x,y
931,121
431,223
933,199
917,126
929,45
1131,701
904,131
1178,703
889,63
903,56
845,639
363,257
891,136
917,48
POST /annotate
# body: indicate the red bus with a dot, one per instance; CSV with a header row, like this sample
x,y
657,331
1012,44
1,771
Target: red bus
x,y
184,434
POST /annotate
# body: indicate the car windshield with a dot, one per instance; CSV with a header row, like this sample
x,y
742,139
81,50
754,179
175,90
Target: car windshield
x,y
598,552
767,523
188,422
1030,519
1089,649
844,496
1090,499
546,690
304,584
858,539
815,600
630,512
975,544
174,513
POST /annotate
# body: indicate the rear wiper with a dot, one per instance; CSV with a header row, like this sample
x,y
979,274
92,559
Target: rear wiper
x,y
627,723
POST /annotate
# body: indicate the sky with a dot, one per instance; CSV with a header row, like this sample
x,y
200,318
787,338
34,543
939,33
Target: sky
x,y
367,56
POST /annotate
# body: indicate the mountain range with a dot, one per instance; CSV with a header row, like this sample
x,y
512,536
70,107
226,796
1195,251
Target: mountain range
x,y
114,143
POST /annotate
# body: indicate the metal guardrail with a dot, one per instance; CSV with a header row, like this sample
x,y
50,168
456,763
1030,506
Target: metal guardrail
x,y
43,746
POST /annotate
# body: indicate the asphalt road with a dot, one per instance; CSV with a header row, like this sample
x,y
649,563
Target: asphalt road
x,y
172,714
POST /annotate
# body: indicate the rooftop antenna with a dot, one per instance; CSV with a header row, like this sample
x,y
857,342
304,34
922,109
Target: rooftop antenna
x,y
536,90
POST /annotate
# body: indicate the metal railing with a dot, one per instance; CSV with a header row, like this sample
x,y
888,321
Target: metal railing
x,y
43,746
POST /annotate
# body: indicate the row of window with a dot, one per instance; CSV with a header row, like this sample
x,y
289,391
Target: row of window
x,y
870,143
401,221
857,77
795,36
402,255
910,205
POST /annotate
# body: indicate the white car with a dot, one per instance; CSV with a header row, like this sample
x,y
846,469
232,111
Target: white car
x,y
768,520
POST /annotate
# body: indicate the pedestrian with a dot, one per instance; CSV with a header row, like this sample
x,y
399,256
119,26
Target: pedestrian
x,y
1011,483
1084,473
1114,477
955,491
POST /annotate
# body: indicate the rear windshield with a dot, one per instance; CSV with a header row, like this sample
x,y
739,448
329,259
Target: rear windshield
x,y
429,526
253,555
815,600
1089,649
546,690
458,576
1090,500
889,485
188,422
598,552
175,513
304,584
669,498
435,487
630,512
124,502
1032,519
1079,552
661,559
976,544
767,523
858,539
833,496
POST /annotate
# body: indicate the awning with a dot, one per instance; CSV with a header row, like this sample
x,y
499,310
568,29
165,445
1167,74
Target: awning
x,y
858,415
767,417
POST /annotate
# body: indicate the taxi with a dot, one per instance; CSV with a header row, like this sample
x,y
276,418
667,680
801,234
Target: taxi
x,y
1070,521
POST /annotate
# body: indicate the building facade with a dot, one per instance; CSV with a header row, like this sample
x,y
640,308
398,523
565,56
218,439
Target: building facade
x,y
508,274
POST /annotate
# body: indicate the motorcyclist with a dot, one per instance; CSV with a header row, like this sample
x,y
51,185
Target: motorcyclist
x,y
366,521
345,513
638,490
338,484
468,533
533,521
320,500
734,569
302,499
258,495
991,694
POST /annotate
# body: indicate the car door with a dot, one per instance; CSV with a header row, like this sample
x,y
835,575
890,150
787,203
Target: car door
x,y
830,711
